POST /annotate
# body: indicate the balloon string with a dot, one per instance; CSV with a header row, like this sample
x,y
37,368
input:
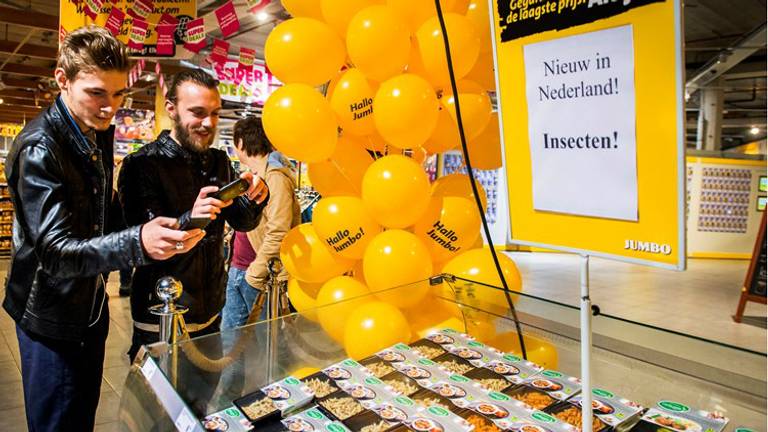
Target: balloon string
x,y
471,174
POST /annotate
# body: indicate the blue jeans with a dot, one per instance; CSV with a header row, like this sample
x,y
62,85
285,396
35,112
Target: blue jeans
x,y
239,301
62,379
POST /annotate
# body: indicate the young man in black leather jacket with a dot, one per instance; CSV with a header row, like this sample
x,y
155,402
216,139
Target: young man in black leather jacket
x,y
172,176
59,173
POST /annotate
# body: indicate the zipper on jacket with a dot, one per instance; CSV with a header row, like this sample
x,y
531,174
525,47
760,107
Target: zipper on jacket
x,y
103,298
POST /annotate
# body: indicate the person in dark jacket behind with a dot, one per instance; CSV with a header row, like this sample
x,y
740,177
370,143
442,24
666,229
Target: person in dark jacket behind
x,y
59,173
172,176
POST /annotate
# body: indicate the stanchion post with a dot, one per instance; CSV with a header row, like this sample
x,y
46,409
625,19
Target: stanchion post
x,y
586,347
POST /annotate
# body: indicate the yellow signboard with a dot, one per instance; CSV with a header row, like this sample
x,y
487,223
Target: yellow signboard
x,y
72,16
591,108
10,129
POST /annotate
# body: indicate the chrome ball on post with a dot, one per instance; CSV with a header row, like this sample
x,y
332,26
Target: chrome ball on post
x,y
168,289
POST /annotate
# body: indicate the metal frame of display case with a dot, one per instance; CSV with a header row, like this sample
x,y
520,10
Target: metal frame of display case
x,y
667,365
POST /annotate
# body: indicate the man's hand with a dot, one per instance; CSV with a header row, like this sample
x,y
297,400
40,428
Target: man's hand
x,y
206,207
162,239
258,190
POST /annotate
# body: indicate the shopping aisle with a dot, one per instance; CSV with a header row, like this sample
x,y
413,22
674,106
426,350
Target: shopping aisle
x,y
698,301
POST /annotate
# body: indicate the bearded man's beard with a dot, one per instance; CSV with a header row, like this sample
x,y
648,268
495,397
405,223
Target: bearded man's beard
x,y
188,142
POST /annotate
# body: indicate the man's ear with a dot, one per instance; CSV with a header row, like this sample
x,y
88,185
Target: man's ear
x,y
61,79
170,108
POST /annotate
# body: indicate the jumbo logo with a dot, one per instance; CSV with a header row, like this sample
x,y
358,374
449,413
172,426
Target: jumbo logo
x,y
649,247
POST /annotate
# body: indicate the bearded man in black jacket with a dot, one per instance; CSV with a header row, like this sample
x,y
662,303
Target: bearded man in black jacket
x,y
173,177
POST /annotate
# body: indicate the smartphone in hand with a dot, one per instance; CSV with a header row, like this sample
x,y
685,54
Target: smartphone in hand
x,y
195,223
232,190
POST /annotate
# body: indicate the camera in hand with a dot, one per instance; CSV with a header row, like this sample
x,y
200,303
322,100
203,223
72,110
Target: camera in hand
x,y
231,191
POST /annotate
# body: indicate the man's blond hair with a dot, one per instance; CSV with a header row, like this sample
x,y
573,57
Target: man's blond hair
x,y
91,48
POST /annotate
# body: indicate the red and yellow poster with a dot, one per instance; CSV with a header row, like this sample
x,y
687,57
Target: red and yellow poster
x,y
72,15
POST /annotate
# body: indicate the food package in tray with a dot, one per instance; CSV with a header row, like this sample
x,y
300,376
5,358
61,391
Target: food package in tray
x,y
230,420
355,380
555,384
512,367
312,419
288,394
436,419
510,414
612,410
674,417
398,353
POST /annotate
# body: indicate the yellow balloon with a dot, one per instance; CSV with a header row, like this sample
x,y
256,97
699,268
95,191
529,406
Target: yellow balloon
x,y
446,134
397,258
303,8
306,257
482,72
337,299
292,48
351,99
345,225
357,272
418,154
300,123
485,149
479,242
481,326
302,296
465,47
477,13
396,191
405,110
338,13
448,227
374,142
477,265
475,107
428,314
373,327
378,42
460,7
450,323
342,174
458,185
415,64
539,351
415,12
304,372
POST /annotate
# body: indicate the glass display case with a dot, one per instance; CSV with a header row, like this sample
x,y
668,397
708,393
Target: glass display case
x,y
174,387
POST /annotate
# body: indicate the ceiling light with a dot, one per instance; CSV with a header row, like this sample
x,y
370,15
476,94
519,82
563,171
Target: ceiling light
x,y
262,16
1,100
754,130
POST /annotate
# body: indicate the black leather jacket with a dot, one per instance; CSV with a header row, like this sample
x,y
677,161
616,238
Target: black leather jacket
x,y
61,187
164,179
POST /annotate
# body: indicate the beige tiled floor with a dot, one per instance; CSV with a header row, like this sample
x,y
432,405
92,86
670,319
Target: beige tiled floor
x,y
699,301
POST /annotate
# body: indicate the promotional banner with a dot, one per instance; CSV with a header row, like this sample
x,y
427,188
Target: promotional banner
x,y
72,15
591,111
238,84
227,18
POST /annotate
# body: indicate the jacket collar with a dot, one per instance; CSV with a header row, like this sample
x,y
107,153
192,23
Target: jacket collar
x,y
65,126
171,148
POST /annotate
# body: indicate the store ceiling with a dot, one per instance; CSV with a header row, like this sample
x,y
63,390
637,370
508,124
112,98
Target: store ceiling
x,y
713,29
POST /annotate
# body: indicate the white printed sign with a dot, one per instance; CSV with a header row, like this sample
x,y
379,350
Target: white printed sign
x,y
238,85
581,124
